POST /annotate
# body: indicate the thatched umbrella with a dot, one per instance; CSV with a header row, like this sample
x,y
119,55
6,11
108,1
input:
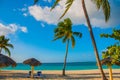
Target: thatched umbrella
x,y
6,61
32,62
106,61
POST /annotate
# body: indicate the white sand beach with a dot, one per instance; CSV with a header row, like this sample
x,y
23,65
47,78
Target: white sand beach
x,y
56,75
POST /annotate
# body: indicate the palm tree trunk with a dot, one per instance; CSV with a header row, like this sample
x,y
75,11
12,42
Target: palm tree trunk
x,y
65,59
110,73
32,72
93,41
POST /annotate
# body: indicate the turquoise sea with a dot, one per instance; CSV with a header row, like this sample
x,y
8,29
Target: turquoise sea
x,y
59,66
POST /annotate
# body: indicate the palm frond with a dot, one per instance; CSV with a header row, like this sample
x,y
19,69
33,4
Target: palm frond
x,y
56,30
56,38
98,3
59,34
115,35
10,45
104,35
68,22
73,41
68,5
7,51
65,39
59,29
78,34
54,5
106,9
2,37
61,24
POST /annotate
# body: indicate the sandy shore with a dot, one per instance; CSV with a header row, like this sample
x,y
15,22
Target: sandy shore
x,y
56,75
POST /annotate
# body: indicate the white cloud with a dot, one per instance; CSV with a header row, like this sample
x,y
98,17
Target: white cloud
x,y
11,29
23,29
76,14
44,14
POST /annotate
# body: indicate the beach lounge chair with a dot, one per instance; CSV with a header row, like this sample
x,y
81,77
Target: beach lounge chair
x,y
39,75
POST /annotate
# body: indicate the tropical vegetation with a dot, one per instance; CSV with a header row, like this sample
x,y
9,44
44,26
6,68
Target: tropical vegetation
x,y
5,45
64,32
111,56
104,4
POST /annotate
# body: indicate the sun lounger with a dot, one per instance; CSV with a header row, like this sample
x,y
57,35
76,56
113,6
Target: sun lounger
x,y
39,75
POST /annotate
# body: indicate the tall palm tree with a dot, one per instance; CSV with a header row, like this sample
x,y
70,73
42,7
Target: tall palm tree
x,y
5,45
64,31
106,10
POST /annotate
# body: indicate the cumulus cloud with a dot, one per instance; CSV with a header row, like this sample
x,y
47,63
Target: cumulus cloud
x,y
11,29
76,14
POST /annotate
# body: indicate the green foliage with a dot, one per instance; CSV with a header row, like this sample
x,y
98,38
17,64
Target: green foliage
x,y
98,3
113,52
55,4
64,31
115,35
68,5
104,4
106,9
5,45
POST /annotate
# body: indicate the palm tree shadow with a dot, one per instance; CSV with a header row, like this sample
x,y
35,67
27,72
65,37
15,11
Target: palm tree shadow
x,y
8,74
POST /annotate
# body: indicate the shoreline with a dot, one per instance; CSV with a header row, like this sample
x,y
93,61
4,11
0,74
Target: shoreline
x,y
56,74
58,70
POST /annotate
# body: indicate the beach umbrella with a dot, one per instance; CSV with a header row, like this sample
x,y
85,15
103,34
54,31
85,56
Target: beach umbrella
x,y
6,61
109,61
32,62
106,61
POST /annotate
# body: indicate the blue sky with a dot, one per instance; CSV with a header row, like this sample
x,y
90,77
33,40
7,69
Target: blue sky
x,y
30,29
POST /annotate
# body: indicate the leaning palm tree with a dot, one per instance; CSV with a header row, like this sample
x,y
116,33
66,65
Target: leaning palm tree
x,y
64,31
106,10
5,45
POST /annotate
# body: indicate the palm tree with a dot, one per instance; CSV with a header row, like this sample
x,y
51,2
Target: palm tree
x,y
112,54
106,10
64,31
111,57
4,45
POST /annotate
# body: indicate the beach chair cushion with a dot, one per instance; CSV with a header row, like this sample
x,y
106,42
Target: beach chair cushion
x,y
39,75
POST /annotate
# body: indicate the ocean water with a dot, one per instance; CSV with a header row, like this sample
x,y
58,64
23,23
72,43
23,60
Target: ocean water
x,y
59,66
